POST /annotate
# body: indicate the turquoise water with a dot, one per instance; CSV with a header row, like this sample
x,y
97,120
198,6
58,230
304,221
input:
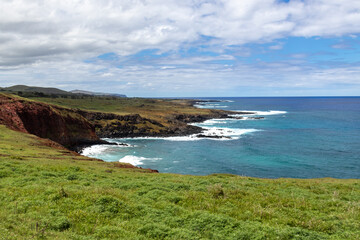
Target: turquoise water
x,y
298,137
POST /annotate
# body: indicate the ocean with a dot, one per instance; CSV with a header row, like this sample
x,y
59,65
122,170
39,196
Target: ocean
x,y
297,137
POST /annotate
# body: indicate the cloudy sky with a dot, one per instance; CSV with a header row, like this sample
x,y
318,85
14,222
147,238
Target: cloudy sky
x,y
183,48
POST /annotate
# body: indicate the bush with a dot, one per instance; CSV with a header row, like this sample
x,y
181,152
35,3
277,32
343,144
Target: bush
x,y
72,177
109,204
216,190
157,231
60,224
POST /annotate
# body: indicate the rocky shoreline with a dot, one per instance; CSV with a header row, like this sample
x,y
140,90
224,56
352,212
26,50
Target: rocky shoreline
x,y
77,129
125,126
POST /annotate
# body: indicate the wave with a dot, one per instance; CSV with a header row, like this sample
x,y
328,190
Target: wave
x,y
210,133
210,122
226,133
135,160
209,106
258,113
214,121
271,112
95,150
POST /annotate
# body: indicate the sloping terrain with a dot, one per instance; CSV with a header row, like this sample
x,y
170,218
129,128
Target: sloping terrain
x,y
24,88
61,125
48,192
133,117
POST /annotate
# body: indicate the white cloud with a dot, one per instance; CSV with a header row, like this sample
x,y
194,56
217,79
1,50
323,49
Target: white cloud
x,y
278,46
341,46
51,39
40,30
200,79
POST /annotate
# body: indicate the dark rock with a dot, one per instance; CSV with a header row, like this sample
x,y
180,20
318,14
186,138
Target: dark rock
x,y
212,136
256,118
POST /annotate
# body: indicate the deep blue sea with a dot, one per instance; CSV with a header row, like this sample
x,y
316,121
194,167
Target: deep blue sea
x,y
299,137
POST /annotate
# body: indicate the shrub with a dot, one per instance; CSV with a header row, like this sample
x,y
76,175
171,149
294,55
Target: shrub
x,y
60,224
157,231
216,190
72,177
109,204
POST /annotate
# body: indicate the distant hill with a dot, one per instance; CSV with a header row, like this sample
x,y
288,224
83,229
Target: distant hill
x,y
24,88
55,91
76,91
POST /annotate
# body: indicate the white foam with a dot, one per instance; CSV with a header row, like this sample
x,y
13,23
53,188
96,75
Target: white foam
x,y
209,106
135,160
227,132
210,133
213,121
178,138
258,113
271,112
183,138
199,106
95,150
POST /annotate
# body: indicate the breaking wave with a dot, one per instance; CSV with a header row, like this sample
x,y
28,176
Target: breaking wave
x,y
259,113
135,160
95,150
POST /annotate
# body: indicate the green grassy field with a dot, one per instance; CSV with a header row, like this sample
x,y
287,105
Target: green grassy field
x,y
48,192
149,108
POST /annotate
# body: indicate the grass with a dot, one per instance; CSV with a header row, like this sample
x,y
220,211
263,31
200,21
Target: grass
x,y
159,110
48,192
149,108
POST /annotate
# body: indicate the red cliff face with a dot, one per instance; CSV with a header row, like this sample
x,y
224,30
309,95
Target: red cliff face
x,y
47,121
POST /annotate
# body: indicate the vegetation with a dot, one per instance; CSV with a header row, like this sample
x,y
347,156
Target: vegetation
x,y
150,108
48,192
29,89
160,114
162,111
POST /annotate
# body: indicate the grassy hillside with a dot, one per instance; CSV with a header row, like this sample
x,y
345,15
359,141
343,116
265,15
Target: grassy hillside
x,y
24,88
149,108
164,112
48,192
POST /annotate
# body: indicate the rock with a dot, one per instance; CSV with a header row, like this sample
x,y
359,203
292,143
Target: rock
x,y
212,136
61,125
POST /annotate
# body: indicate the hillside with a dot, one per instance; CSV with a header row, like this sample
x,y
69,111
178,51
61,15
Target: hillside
x,y
24,88
132,117
28,91
52,193
77,91
73,122
61,125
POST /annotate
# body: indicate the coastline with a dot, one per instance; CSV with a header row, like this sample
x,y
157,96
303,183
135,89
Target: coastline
x,y
191,131
184,122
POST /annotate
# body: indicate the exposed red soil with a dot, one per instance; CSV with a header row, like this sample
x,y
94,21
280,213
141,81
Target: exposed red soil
x,y
61,125
57,127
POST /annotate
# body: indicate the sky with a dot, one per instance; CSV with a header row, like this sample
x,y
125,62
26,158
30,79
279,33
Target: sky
x,y
188,48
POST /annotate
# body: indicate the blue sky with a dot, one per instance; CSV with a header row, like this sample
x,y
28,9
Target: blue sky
x,y
188,48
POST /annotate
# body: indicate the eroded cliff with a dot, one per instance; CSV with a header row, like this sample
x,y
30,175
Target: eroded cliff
x,y
61,125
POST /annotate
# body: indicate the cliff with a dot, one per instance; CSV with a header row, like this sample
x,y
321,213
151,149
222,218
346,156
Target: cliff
x,y
111,125
61,125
